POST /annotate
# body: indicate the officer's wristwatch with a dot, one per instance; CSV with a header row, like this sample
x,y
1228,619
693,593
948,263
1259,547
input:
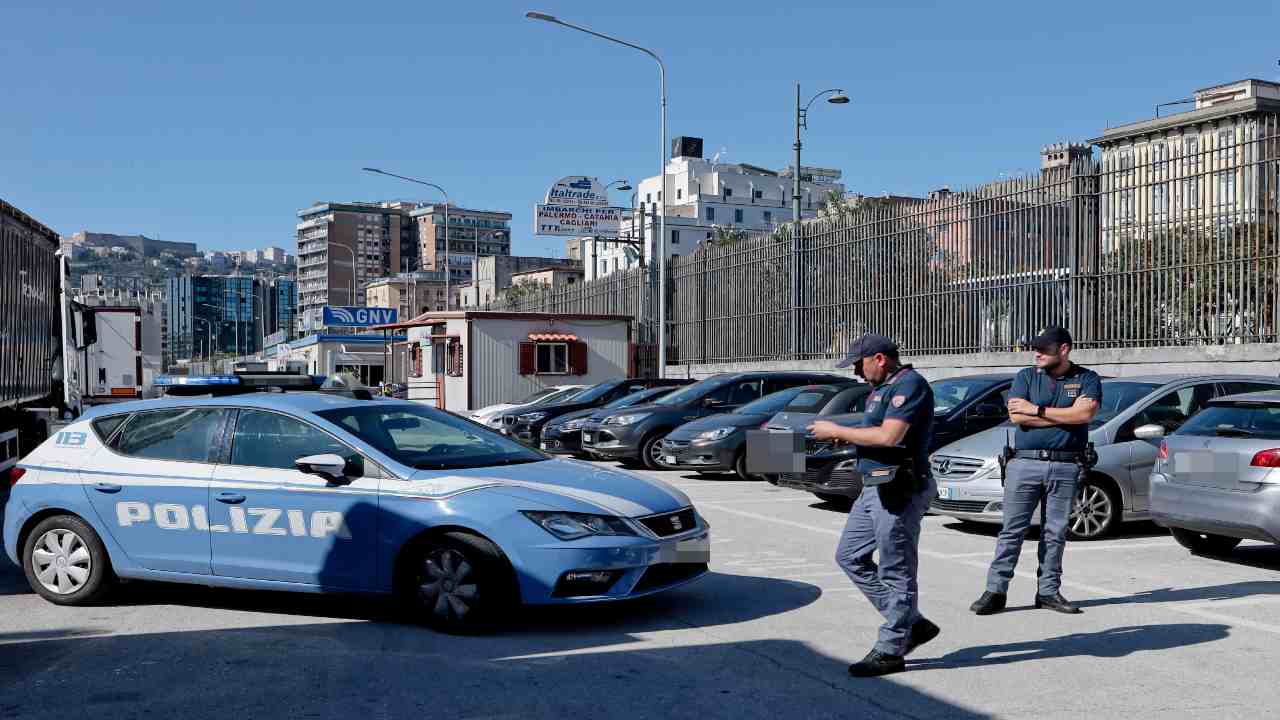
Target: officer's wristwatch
x,y
1040,411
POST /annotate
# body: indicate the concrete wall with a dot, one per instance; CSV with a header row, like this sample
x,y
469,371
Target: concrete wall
x,y
1251,359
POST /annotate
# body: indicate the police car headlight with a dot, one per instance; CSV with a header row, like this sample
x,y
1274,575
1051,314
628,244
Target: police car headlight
x,y
631,419
533,416
717,434
571,526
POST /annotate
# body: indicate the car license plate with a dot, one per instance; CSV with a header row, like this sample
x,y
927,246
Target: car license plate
x,y
945,493
588,437
696,550
669,459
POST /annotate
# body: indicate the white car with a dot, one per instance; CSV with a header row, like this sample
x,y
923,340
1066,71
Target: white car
x,y
551,394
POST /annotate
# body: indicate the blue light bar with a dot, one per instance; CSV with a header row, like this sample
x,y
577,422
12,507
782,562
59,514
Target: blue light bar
x,y
199,380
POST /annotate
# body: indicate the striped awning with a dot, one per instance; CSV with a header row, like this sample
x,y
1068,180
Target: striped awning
x,y
552,337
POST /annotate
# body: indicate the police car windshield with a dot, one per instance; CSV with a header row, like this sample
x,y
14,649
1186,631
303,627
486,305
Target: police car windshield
x,y
949,394
428,439
1118,397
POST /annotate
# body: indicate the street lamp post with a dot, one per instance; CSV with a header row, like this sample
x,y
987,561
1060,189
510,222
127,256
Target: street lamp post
x,y
802,116
447,271
351,294
208,326
662,172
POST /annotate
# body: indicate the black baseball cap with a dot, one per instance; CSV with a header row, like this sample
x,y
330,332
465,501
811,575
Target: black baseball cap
x,y
866,346
1050,337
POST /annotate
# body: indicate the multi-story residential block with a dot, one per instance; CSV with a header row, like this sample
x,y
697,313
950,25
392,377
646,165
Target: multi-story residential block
x,y
409,293
342,246
1200,171
707,195
472,234
494,274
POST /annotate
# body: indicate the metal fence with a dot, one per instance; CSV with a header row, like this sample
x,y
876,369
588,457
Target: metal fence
x,y
1171,241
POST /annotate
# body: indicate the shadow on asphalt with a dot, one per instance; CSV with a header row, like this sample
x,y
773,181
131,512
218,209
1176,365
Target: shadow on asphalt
x,y
1230,591
1113,643
1128,531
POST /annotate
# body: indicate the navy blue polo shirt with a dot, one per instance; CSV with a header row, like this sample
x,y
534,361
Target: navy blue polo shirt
x,y
1043,390
905,396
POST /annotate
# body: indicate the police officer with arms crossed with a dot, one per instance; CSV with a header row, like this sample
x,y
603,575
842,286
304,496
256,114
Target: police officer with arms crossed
x,y
1052,405
893,445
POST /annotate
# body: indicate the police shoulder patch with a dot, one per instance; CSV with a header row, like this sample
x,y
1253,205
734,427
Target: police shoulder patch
x,y
898,400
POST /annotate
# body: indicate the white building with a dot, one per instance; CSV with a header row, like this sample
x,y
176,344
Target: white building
x,y
707,195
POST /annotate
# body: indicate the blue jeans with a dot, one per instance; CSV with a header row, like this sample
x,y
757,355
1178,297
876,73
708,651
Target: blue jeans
x,y
1026,481
891,526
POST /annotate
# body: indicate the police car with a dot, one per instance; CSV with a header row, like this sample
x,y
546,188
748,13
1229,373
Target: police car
x,y
320,492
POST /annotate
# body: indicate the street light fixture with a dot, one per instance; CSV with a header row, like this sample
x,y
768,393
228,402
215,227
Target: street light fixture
x,y
662,172
802,121
447,271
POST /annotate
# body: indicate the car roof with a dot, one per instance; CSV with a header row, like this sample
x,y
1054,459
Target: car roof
x,y
286,401
990,377
1167,378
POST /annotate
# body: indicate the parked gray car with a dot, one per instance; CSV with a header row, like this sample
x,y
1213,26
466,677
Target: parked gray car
x,y
1217,478
1118,488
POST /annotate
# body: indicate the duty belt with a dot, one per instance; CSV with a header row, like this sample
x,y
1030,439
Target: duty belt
x,y
1049,455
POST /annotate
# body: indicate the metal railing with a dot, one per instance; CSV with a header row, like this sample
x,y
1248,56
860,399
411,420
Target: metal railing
x,y
1171,242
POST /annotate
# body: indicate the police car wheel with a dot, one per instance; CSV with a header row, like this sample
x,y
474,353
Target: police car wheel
x,y
458,583
65,561
1095,511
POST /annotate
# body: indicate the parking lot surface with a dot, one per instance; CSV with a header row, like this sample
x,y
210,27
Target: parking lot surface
x,y
768,633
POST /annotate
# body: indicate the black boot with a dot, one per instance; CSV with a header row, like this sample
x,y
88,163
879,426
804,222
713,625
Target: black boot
x,y
1057,603
876,664
922,632
989,604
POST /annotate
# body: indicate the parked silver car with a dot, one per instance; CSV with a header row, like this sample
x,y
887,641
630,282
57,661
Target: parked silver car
x,y
1118,488
1217,479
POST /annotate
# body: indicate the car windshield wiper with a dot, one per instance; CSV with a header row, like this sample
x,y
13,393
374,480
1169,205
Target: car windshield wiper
x,y
1228,431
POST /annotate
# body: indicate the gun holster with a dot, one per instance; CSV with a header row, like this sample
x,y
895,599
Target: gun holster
x,y
1003,459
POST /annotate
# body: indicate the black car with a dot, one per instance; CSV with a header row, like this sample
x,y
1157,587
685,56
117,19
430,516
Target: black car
x,y
962,406
719,442
563,435
525,424
635,434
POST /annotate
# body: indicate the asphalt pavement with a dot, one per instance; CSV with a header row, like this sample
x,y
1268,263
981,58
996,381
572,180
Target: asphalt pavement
x,y
768,633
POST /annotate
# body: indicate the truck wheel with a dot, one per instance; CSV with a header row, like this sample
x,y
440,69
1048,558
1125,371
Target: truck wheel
x,y
65,561
1204,543
457,583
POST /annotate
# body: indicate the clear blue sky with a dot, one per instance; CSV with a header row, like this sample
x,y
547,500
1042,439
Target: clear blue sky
x,y
216,122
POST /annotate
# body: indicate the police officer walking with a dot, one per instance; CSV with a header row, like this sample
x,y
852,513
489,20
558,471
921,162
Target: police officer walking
x,y
893,446
1052,405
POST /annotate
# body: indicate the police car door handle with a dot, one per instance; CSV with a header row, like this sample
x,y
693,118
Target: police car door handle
x,y
230,498
107,487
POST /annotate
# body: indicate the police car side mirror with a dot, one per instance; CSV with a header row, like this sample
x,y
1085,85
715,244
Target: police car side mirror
x,y
329,465
1149,432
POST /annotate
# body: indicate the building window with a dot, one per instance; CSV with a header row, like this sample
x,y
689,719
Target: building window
x,y
553,358
648,197
759,194
675,237
728,192
711,214
604,267
1190,194
1227,188
1160,199
768,216
1226,138
679,193
737,215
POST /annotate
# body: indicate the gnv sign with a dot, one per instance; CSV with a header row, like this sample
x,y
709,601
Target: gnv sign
x,y
358,316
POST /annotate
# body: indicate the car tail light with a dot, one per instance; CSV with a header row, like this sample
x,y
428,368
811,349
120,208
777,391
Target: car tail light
x,y
1267,459
1164,450
15,474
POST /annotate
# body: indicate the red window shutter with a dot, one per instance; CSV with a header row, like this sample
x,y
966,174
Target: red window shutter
x,y
455,364
528,358
578,358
